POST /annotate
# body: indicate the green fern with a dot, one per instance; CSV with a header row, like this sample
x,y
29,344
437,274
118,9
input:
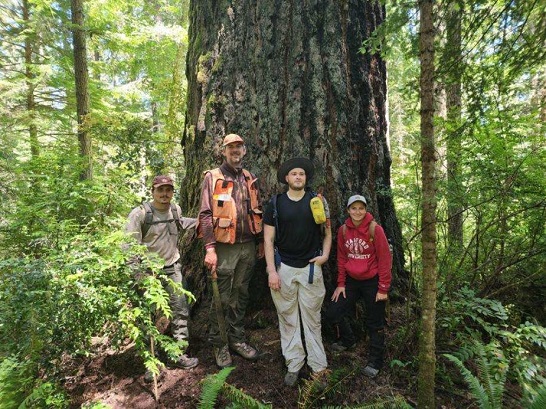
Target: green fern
x,y
396,402
212,386
488,386
311,387
12,383
539,401
241,399
478,391
492,372
325,384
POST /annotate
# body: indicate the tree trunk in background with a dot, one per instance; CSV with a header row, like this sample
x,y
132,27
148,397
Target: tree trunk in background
x,y
454,133
288,77
30,76
427,346
82,93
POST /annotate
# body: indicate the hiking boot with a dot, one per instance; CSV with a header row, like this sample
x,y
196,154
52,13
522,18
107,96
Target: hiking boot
x,y
291,378
245,350
222,356
370,371
339,347
185,362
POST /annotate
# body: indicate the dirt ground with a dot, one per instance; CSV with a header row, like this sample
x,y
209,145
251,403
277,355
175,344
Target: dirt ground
x,y
116,378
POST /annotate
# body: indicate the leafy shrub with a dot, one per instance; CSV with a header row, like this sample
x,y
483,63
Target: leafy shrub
x,y
512,352
19,387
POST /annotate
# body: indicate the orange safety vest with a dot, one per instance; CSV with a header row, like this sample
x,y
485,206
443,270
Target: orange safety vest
x,y
224,209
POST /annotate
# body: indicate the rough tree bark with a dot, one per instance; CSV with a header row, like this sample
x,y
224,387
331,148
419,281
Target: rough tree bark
x,y
289,77
454,136
427,345
81,79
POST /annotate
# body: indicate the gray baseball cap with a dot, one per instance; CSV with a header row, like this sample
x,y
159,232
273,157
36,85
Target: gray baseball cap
x,y
357,198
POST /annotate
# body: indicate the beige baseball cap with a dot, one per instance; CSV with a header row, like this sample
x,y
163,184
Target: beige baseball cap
x,y
232,138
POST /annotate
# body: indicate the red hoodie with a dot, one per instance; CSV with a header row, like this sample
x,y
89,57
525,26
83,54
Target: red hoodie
x,y
360,258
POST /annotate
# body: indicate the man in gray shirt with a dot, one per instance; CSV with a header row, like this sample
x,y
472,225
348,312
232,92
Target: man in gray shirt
x,y
156,225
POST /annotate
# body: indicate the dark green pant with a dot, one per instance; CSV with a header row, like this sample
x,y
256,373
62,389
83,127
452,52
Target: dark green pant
x,y
235,268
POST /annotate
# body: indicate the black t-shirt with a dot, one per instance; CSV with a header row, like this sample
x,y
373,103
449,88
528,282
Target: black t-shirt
x,y
298,237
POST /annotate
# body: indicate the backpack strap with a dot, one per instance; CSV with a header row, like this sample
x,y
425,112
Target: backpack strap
x,y
371,230
176,217
275,213
149,216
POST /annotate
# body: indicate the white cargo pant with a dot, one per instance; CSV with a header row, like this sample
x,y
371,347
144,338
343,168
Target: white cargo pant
x,y
297,298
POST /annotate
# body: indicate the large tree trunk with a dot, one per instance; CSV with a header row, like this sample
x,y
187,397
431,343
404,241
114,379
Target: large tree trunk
x,y
82,92
427,345
289,77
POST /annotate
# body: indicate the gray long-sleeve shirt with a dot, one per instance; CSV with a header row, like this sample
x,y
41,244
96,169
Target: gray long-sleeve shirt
x,y
161,238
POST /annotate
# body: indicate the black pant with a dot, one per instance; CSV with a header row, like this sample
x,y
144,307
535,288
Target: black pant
x,y
375,316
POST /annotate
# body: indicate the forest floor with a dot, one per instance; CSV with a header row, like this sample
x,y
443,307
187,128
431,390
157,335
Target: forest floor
x,y
115,378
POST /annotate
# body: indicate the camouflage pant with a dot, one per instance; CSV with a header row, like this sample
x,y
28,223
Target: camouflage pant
x,y
178,304
235,267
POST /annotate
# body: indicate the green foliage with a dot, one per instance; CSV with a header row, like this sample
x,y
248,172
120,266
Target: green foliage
x,y
65,282
396,402
13,383
517,351
540,400
20,388
312,392
241,400
95,405
80,289
212,385
526,348
492,367
500,189
323,384
466,312
311,388
487,386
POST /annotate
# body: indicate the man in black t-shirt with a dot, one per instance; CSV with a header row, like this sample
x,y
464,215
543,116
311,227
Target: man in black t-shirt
x,y
296,282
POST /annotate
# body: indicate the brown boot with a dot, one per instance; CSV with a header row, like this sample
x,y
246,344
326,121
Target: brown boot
x,y
245,350
222,356
185,362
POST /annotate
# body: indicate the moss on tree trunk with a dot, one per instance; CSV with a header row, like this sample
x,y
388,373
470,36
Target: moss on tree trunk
x,y
290,78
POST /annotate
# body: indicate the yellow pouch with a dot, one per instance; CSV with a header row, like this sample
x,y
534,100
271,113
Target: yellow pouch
x,y
317,208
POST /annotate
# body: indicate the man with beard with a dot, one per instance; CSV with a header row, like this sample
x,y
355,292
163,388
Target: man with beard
x,y
230,222
156,225
295,250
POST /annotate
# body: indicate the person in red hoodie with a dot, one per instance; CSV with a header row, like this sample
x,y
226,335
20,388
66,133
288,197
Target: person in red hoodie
x,y
364,271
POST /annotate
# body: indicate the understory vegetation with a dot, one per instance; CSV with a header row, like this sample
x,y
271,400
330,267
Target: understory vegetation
x,y
64,276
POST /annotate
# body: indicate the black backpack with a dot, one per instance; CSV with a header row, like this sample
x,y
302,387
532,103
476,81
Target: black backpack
x,y
149,218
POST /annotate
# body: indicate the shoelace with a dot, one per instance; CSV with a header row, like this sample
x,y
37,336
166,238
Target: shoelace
x,y
223,353
246,347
